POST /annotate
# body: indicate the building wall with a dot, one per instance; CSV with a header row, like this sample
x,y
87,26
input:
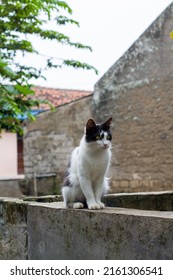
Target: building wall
x,y
138,92
8,155
49,141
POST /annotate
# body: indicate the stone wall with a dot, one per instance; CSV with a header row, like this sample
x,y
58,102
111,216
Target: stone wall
x,y
137,92
49,141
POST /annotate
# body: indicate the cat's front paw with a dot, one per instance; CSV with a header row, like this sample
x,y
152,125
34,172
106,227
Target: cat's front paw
x,y
94,206
78,205
101,205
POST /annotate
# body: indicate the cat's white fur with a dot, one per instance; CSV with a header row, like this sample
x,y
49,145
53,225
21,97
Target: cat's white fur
x,y
87,174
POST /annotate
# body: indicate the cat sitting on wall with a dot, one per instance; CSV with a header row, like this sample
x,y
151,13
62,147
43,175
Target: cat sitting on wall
x,y
85,179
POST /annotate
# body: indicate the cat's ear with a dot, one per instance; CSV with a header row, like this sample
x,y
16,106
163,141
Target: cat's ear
x,y
106,125
90,124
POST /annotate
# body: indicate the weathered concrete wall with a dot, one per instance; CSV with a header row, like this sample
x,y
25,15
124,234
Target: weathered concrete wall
x,y
137,92
13,229
49,141
106,234
155,201
32,230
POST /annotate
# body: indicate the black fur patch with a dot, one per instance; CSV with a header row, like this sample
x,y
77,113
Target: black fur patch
x,y
93,132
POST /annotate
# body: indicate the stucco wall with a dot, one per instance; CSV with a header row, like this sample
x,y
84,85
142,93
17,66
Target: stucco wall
x,y
8,155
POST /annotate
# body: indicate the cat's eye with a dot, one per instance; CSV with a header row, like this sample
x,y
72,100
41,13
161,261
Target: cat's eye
x,y
108,137
98,137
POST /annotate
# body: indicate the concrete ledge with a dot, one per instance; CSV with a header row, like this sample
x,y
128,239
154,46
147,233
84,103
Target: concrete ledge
x,y
159,201
45,230
57,233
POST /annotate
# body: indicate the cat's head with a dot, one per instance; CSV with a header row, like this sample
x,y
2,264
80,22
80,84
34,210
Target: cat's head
x,y
99,134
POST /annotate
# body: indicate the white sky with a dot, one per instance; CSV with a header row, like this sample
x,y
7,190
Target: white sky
x,y
110,27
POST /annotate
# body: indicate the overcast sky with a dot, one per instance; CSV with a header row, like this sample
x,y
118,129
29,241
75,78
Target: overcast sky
x,y
109,27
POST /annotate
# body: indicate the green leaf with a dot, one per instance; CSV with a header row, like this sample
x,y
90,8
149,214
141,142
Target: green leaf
x,y
78,64
62,20
19,22
65,6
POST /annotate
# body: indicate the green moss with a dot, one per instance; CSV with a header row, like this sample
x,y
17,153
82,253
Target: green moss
x,y
15,212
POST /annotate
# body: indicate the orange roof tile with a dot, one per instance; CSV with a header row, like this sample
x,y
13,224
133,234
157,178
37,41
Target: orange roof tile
x,y
58,96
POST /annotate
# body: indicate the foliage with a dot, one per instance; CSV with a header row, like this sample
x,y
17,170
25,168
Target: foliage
x,y
171,34
19,21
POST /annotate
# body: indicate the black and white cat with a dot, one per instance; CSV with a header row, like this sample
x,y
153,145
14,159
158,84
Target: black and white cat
x,y
85,179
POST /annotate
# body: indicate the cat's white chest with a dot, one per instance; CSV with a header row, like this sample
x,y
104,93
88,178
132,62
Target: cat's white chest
x,y
97,168
94,165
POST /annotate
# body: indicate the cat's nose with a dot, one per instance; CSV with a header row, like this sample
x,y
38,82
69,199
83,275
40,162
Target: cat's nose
x,y
105,145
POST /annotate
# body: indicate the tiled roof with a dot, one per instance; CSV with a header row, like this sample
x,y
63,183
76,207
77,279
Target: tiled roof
x,y
58,96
